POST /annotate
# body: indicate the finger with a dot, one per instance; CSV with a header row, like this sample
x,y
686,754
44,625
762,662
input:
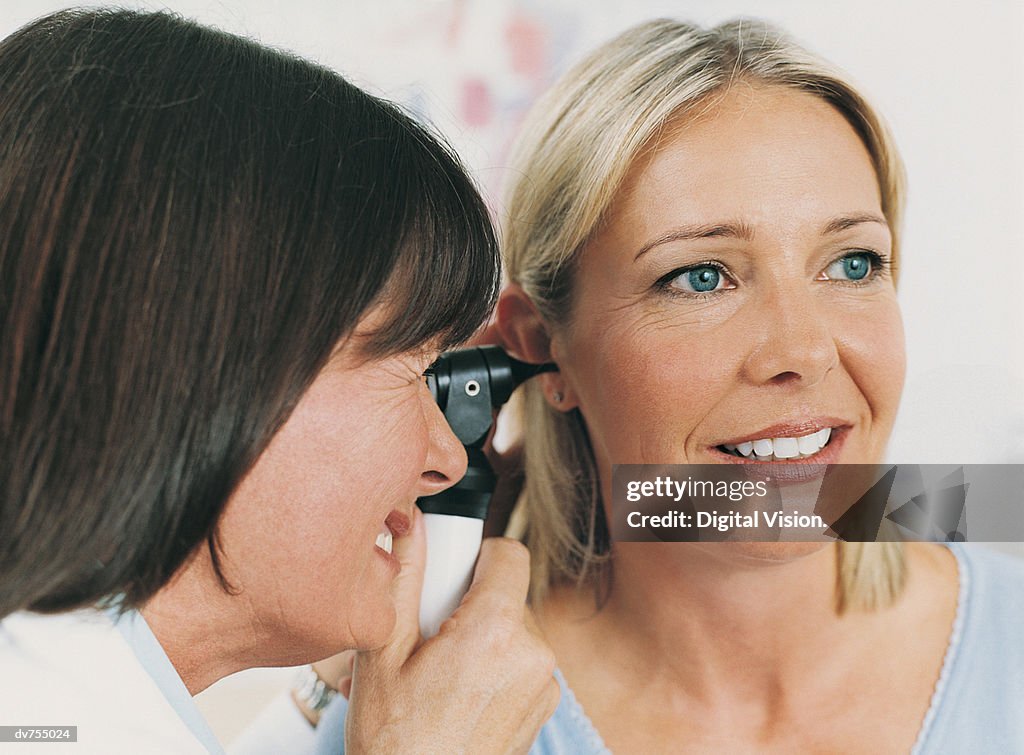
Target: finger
x,y
502,574
546,706
546,699
535,715
532,625
503,502
411,551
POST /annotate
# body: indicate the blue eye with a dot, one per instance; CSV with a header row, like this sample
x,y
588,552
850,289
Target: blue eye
x,y
697,280
854,267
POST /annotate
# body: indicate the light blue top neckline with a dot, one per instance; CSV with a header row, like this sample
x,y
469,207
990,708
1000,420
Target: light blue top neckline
x,y
152,657
952,650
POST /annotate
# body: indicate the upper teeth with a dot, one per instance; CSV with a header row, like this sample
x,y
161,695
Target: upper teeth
x,y
782,448
384,541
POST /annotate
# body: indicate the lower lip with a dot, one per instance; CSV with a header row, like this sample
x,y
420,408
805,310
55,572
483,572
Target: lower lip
x,y
390,559
793,470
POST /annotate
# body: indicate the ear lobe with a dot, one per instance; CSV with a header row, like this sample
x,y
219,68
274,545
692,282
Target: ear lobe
x,y
523,331
525,336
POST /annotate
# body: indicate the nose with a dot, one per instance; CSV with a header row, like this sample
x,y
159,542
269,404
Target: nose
x,y
446,457
796,344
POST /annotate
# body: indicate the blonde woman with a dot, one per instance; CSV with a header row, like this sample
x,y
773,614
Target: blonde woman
x,y
704,235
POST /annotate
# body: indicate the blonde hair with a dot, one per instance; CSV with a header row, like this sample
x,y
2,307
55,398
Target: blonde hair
x,y
577,145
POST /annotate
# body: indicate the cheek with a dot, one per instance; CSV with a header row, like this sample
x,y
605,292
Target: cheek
x,y
871,347
290,509
300,529
646,382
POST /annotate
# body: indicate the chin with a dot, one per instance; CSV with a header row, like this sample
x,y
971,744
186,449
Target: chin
x,y
764,553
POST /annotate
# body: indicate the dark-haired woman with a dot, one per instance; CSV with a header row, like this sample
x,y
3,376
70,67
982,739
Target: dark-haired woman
x,y
223,271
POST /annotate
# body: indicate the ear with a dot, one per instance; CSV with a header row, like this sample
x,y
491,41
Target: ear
x,y
525,336
522,329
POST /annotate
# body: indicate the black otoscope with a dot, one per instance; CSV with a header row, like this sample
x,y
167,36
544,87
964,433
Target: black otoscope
x,y
468,385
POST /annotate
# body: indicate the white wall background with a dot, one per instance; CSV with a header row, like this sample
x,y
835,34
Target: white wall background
x,y
949,77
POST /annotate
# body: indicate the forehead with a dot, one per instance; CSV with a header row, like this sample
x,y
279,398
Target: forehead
x,y
761,154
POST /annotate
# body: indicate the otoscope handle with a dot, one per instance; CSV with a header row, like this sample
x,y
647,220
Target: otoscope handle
x,y
453,543
455,525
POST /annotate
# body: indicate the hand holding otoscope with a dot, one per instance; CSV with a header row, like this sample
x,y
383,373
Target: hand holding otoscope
x,y
468,385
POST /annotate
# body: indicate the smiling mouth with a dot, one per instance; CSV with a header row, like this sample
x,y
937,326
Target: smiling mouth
x,y
397,524
385,541
780,449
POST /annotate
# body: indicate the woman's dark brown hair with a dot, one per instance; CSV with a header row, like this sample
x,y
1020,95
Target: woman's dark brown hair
x,y
189,224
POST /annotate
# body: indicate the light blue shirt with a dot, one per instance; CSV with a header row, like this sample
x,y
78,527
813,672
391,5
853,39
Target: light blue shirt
x,y
154,660
977,704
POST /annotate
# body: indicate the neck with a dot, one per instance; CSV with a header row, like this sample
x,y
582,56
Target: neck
x,y
713,622
200,627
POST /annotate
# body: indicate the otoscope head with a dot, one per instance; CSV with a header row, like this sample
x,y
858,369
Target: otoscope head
x,y
468,384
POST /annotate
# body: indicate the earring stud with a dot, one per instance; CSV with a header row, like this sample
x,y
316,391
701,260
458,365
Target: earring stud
x,y
557,396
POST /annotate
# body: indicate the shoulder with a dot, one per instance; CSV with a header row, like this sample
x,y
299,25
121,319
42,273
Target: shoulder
x,y
993,587
67,644
978,705
76,669
991,563
992,613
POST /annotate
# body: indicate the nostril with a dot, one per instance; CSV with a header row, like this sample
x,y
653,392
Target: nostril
x,y
435,477
786,377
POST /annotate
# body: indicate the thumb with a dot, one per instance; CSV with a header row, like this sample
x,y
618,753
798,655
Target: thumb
x,y
411,552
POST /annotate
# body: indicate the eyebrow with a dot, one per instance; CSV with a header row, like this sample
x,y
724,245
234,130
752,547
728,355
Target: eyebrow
x,y
746,233
704,231
844,222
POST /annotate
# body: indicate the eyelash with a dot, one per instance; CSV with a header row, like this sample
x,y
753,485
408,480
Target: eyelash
x,y
664,283
881,267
